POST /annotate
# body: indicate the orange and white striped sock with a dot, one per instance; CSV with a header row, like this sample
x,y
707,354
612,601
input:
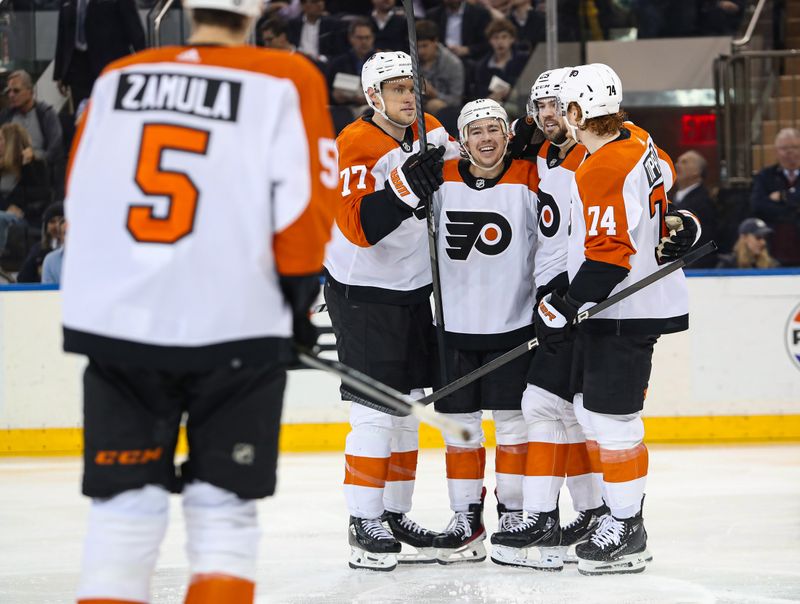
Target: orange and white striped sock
x,y
511,435
402,473
213,588
466,463
367,452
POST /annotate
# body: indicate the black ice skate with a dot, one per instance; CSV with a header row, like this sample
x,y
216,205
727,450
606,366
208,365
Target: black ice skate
x,y
408,532
615,547
578,531
462,540
371,545
508,519
534,543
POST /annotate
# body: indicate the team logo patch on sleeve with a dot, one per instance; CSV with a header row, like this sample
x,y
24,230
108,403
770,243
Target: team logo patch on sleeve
x,y
487,232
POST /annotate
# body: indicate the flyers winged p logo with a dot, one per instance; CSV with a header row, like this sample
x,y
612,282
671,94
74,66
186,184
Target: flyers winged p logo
x,y
487,232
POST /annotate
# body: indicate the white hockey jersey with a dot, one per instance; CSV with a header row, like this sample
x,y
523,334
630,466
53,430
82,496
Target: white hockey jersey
x,y
486,239
367,262
198,175
618,205
556,176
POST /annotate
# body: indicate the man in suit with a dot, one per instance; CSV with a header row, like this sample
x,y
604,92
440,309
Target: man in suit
x,y
92,34
463,27
691,194
775,197
391,31
316,34
361,38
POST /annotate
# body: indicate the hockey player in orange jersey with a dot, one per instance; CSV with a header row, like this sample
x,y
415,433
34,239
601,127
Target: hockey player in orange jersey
x,y
486,215
621,231
377,287
219,156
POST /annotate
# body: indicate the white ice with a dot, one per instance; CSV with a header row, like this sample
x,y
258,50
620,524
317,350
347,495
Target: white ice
x,y
723,525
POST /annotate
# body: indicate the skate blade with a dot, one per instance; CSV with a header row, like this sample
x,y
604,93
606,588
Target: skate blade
x,y
363,560
567,553
549,558
422,555
471,552
632,563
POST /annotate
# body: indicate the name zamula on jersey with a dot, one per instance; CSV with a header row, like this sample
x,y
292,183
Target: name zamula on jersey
x,y
200,96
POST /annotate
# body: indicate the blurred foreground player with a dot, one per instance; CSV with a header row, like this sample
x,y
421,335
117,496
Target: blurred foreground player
x,y
215,158
621,231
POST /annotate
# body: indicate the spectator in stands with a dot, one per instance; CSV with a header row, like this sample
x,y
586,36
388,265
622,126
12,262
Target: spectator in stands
x,y
391,31
31,270
92,34
497,73
721,17
37,117
750,250
530,24
274,33
442,70
23,181
315,33
349,7
462,26
51,265
691,194
347,90
775,197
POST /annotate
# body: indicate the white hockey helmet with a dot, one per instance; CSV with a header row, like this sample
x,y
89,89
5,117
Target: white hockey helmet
x,y
248,8
546,86
377,69
597,90
479,110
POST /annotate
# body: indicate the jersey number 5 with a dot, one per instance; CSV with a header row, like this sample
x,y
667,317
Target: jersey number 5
x,y
176,186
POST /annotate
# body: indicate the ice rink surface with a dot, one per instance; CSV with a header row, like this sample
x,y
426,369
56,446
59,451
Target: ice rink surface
x,y
723,525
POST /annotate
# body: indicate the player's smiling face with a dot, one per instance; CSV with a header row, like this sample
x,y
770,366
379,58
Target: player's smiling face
x,y
550,118
398,98
486,141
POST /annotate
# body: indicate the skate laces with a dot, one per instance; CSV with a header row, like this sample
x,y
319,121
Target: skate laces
x,y
509,520
375,529
524,525
576,522
609,532
412,526
459,524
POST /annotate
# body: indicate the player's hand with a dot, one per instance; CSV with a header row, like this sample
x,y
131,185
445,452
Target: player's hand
x,y
522,132
305,332
553,320
684,231
420,175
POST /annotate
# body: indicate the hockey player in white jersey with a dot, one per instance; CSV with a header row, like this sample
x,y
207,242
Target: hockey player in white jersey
x,y
621,231
556,443
378,287
486,215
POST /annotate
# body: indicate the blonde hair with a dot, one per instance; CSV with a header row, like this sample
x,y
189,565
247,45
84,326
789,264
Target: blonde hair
x,y
746,259
16,139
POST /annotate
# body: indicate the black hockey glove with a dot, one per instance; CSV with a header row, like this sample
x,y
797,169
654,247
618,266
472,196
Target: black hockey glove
x,y
300,293
684,230
522,130
553,319
419,176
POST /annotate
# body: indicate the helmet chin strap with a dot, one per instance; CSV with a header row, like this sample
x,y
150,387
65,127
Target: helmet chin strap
x,y
383,114
494,165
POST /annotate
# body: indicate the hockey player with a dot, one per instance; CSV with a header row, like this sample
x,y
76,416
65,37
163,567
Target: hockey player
x,y
619,234
218,156
486,212
377,288
556,443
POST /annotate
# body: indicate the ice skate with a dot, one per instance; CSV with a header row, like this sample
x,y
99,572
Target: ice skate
x,y
409,533
462,540
534,543
615,547
508,519
578,531
372,546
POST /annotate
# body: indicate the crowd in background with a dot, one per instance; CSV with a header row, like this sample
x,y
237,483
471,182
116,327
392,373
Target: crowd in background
x,y
468,49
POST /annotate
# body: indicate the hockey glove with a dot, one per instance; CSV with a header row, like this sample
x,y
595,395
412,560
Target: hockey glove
x,y
553,319
300,293
418,177
684,231
522,129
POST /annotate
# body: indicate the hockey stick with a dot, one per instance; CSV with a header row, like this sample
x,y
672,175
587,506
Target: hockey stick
x,y
408,8
594,310
385,395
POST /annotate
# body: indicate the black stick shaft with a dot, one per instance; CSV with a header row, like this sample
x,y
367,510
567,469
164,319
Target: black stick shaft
x,y
594,310
438,310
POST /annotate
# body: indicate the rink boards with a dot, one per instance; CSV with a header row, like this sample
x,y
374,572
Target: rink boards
x,y
734,376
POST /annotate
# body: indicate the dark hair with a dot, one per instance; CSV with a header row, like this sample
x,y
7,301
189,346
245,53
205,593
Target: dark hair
x,y
359,22
276,25
220,18
427,31
499,26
